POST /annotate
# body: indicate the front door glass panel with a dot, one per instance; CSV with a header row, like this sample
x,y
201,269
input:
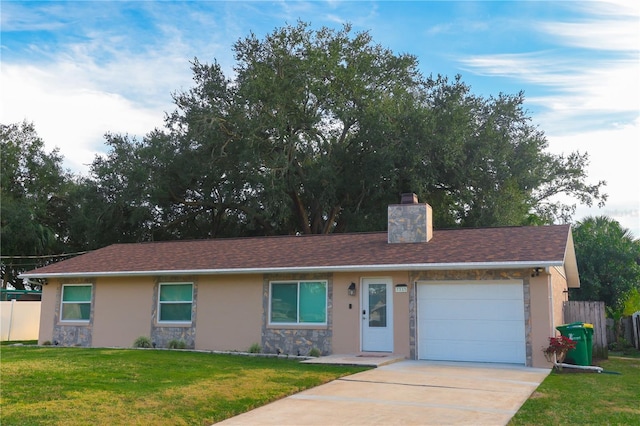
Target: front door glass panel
x,y
377,305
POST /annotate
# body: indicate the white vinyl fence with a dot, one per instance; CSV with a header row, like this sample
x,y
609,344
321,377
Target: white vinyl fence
x,y
20,320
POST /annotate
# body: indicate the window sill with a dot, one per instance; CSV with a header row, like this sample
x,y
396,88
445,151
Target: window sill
x,y
298,326
78,323
173,324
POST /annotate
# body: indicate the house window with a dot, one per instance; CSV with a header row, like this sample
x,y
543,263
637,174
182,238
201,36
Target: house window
x,y
76,302
298,302
175,302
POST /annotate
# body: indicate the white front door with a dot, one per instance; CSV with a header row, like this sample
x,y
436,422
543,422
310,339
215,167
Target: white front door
x,y
377,315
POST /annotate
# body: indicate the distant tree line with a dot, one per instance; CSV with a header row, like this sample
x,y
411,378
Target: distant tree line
x,y
315,132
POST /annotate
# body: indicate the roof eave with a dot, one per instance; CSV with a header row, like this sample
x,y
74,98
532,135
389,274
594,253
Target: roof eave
x,y
308,269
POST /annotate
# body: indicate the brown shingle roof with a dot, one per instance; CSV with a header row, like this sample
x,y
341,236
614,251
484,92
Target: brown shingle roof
x,y
453,248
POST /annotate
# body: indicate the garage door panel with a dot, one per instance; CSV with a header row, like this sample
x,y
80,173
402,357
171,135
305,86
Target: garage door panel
x,y
477,321
464,330
472,309
478,351
471,291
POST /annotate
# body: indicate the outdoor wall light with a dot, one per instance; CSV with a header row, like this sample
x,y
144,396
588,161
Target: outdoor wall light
x,y
536,272
352,289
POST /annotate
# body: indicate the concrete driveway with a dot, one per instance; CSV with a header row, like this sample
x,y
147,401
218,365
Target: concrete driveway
x,y
407,393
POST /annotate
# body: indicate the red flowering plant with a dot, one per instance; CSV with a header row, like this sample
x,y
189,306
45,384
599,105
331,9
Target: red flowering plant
x,y
558,346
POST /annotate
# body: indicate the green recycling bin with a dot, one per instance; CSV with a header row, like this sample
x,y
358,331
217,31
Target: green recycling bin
x,y
582,334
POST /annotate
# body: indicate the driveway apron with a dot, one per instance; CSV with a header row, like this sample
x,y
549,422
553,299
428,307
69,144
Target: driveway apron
x,y
407,393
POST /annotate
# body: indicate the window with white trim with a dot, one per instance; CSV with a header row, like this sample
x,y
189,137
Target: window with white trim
x,y
75,302
298,302
175,301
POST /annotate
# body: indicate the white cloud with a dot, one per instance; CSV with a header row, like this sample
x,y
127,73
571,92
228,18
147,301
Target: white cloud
x,y
620,34
67,114
106,78
594,84
588,100
624,8
602,75
613,155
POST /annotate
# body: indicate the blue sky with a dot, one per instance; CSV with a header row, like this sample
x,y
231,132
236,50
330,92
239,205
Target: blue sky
x,y
80,69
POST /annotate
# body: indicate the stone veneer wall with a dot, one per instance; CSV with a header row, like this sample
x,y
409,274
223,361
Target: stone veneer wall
x,y
70,334
162,334
409,223
471,275
297,339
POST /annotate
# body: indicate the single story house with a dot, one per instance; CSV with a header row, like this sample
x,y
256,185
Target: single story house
x,y
484,295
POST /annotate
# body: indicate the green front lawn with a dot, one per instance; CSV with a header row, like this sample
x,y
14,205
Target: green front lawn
x,y
49,385
571,398
76,386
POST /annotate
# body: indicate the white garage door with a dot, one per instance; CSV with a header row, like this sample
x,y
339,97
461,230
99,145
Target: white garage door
x,y
474,321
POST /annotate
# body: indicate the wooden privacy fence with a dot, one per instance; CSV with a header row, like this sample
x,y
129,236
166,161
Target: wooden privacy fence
x,y
592,313
635,328
630,329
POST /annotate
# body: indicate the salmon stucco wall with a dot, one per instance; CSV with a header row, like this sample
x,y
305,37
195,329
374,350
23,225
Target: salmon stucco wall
x,y
346,314
122,311
548,293
47,311
540,318
401,318
560,295
229,315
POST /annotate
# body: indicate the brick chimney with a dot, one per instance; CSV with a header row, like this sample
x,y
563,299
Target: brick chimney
x,y
409,221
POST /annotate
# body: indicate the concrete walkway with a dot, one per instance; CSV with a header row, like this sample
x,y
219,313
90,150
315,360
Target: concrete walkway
x,y
407,393
363,359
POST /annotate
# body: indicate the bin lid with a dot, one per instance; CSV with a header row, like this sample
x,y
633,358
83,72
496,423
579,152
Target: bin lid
x,y
577,324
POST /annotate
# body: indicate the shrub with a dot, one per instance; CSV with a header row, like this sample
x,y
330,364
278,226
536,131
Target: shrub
x,y
177,344
558,348
621,345
255,348
142,342
315,352
46,343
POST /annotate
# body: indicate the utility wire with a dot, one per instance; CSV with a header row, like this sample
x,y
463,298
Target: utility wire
x,y
48,256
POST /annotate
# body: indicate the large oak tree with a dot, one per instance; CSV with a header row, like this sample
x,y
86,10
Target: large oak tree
x,y
314,132
319,130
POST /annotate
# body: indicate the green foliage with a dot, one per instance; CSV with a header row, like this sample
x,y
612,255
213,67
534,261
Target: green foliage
x,y
32,188
177,344
255,348
608,262
142,342
315,352
630,305
316,132
631,302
